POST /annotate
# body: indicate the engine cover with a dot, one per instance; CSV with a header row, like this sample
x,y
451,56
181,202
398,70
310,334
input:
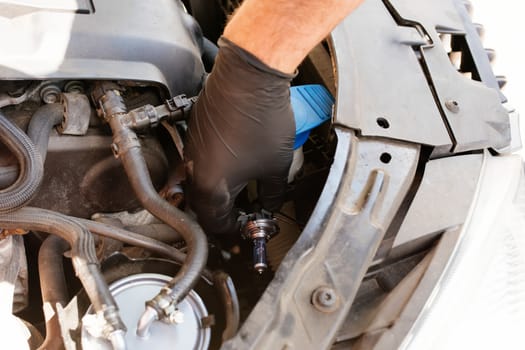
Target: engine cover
x,y
130,40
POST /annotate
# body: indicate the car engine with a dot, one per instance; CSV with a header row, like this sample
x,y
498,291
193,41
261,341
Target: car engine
x,y
84,85
98,247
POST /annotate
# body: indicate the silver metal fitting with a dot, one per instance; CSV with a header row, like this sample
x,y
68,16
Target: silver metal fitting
x,y
176,317
149,316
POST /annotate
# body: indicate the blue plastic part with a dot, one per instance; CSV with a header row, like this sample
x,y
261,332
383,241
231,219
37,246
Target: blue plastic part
x,y
312,106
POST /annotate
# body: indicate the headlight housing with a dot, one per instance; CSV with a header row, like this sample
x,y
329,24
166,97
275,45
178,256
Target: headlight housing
x,y
479,300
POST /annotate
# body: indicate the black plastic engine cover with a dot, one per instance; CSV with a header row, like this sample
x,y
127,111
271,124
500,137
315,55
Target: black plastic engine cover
x,y
134,40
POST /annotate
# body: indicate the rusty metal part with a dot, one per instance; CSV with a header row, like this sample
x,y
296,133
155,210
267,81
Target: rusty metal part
x,y
175,136
174,198
4,233
77,112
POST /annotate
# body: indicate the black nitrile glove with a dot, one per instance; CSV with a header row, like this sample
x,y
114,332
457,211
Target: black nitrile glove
x,y
242,128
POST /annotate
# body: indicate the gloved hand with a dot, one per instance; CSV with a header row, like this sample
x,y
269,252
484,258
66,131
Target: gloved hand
x,y
241,128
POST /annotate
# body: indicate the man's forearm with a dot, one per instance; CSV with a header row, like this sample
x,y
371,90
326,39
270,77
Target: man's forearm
x,y
282,32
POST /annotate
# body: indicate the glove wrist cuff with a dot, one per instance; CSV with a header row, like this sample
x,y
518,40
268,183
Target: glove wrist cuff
x,y
251,59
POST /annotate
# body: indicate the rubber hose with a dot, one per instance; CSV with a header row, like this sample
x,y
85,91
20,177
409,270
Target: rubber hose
x,y
159,232
127,146
8,175
41,124
138,240
83,256
53,286
133,238
191,232
31,167
221,280
38,131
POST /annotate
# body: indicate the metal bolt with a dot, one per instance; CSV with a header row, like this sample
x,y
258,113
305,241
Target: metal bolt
x,y
452,106
176,317
50,93
325,299
74,86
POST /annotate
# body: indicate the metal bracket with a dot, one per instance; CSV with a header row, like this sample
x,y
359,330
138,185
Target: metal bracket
x,y
77,112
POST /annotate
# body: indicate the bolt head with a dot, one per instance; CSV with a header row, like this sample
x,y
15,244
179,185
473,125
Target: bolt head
x,y
452,106
176,317
325,299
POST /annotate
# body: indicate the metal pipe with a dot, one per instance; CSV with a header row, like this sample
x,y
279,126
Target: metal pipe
x,y
7,100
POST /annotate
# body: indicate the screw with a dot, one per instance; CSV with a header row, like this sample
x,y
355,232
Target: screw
x,y
325,299
452,106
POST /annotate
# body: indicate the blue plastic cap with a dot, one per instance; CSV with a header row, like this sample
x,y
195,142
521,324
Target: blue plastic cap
x,y
312,106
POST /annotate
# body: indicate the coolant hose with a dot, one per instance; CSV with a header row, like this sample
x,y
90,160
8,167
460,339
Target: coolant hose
x,y
41,124
127,147
195,239
53,286
39,129
31,167
137,240
83,257
159,232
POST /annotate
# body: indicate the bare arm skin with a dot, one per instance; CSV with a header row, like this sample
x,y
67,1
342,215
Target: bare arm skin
x,y
282,32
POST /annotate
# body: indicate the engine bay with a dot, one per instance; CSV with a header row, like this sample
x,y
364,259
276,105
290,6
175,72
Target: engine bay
x,y
81,122
98,244
84,180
